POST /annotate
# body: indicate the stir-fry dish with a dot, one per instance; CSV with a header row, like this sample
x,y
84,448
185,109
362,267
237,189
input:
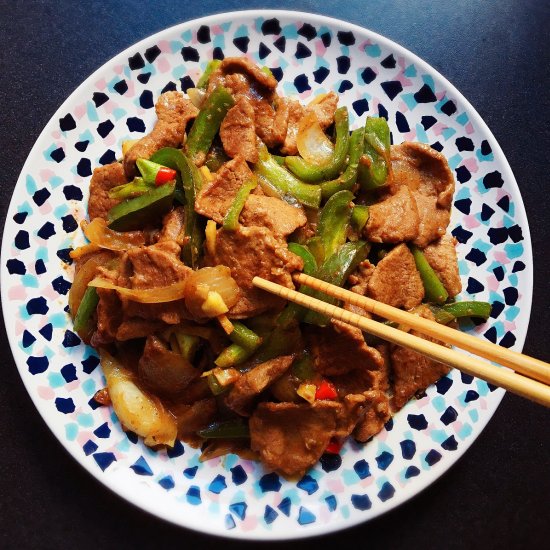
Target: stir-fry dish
x,y
236,181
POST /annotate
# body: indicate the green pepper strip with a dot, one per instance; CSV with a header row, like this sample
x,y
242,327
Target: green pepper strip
x,y
244,337
187,343
336,270
229,429
191,180
211,66
375,164
231,219
135,188
294,312
233,355
310,264
148,208
334,222
280,178
279,159
216,158
215,387
348,178
449,312
359,217
208,123
303,368
312,173
86,309
435,291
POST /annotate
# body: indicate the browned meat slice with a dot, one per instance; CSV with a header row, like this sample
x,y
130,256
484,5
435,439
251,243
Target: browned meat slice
x,y
192,418
394,220
396,281
291,438
150,267
273,213
359,280
255,381
377,413
426,173
238,133
441,255
166,373
413,372
217,195
109,317
173,227
295,114
253,72
173,113
340,349
154,266
324,109
271,123
251,251
137,327
104,178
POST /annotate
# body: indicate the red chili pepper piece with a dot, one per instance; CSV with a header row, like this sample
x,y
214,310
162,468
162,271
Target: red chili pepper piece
x,y
325,390
334,446
164,175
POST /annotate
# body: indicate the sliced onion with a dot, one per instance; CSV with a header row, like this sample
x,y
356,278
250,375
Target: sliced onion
x,y
137,410
207,280
196,96
98,233
155,295
313,144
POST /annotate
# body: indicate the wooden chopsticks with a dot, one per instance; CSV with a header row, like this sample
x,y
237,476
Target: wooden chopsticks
x,y
512,381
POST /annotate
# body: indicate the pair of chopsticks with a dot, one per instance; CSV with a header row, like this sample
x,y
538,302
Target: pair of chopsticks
x,y
531,378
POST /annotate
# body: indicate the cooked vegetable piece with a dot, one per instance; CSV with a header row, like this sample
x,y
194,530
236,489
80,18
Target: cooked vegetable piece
x,y
98,233
141,211
348,178
136,409
285,182
375,164
233,355
85,311
435,291
359,217
231,220
155,174
211,66
155,295
135,188
336,270
187,343
303,368
237,428
207,124
326,390
244,337
210,291
192,182
455,310
334,221
310,264
314,146
312,173
216,158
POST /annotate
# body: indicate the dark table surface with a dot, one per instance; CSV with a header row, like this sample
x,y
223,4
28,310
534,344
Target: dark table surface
x,y
497,54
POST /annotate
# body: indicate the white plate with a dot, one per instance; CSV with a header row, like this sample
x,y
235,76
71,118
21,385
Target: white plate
x,y
311,54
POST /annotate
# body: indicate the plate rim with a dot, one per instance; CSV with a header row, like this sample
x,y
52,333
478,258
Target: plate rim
x,y
430,477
